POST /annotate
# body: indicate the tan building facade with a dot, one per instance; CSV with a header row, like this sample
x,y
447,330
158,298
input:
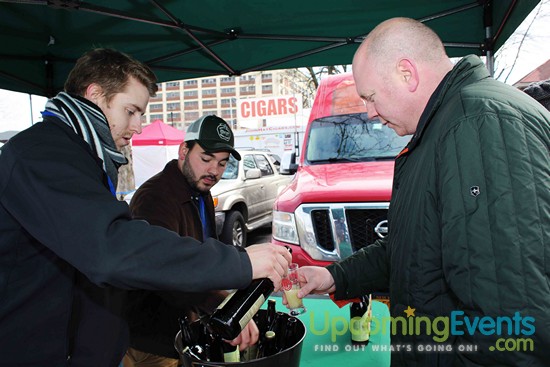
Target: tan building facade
x,y
179,103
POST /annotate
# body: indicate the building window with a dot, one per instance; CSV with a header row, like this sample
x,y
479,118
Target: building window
x,y
191,116
267,77
267,89
155,107
172,95
172,85
191,105
209,93
173,106
191,94
227,80
209,81
208,103
173,116
228,90
251,89
156,116
190,83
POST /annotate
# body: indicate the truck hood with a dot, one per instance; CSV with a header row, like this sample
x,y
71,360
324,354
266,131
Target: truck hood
x,y
338,182
224,186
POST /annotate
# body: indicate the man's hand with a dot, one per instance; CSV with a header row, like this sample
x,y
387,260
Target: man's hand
x,y
315,279
269,261
249,336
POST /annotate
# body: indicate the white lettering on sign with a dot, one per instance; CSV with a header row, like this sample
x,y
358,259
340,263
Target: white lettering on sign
x,y
267,107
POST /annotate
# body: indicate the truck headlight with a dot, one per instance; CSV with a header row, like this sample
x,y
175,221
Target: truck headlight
x,y
284,227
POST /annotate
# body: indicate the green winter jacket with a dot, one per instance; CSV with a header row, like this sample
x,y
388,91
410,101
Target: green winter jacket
x,y
469,240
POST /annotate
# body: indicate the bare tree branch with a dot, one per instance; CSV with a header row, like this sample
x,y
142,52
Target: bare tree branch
x,y
521,42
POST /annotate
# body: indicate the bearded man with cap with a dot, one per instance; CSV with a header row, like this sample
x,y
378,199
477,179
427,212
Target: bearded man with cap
x,y
178,198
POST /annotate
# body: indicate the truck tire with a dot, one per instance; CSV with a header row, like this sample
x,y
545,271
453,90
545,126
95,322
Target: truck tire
x,y
234,229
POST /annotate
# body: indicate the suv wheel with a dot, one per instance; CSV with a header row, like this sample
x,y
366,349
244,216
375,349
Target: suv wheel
x,y
234,230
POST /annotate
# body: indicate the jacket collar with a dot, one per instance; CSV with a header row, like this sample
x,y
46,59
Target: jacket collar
x,y
468,70
183,191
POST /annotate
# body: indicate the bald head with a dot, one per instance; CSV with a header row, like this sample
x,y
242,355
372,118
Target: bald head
x,y
396,70
403,37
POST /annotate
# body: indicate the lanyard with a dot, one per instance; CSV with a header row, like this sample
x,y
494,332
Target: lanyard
x,y
111,186
204,220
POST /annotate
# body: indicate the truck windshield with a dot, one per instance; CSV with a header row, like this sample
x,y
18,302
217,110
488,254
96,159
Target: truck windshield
x,y
352,138
231,169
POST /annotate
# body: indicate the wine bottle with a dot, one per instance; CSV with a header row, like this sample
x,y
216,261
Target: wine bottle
x,y
232,315
190,341
360,321
260,319
280,329
271,315
222,351
251,352
230,353
187,335
291,332
268,345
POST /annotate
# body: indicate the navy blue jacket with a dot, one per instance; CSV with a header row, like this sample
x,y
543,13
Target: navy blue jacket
x,y
68,247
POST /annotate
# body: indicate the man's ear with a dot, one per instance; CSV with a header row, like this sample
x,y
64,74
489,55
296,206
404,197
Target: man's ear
x,y
409,73
182,150
93,93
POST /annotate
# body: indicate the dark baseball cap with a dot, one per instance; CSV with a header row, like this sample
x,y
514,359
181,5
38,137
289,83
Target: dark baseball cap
x,y
213,134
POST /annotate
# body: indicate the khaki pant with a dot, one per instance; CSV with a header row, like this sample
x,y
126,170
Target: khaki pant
x,y
135,358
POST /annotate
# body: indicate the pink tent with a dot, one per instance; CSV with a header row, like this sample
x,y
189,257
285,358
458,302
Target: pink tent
x,y
158,133
157,144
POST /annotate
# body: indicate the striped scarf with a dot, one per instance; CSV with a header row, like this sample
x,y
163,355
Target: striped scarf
x,y
89,122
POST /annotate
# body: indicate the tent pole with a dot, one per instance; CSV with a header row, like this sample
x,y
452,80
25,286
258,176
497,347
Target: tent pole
x,y
30,105
489,37
489,55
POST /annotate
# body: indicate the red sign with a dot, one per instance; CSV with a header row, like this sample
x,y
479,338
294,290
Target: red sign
x,y
268,107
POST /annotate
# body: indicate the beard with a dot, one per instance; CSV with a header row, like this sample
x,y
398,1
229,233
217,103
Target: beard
x,y
192,179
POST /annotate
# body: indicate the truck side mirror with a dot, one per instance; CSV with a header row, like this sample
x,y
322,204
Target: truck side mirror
x,y
288,163
253,173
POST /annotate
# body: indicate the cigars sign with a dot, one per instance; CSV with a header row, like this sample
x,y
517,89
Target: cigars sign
x,y
261,108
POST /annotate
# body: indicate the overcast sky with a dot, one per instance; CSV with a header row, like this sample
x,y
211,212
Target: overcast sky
x,y
15,108
535,46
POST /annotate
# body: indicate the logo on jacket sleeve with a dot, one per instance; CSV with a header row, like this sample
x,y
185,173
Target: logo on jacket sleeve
x,y
474,191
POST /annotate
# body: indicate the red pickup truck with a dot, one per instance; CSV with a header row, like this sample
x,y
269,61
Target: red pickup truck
x,y
338,200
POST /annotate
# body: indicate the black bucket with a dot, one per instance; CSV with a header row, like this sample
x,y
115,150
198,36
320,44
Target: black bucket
x,y
288,357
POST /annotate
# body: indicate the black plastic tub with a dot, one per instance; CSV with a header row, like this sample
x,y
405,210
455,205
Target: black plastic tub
x,y
288,357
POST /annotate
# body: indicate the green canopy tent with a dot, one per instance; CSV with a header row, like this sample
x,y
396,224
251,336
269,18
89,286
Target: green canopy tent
x,y
179,39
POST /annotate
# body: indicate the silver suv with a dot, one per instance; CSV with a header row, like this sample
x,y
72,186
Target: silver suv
x,y
245,195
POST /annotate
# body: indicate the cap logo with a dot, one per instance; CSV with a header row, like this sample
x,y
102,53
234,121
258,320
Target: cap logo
x,y
223,132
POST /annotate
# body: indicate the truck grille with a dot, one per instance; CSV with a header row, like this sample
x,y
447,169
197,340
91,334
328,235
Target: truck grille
x,y
359,229
361,224
323,229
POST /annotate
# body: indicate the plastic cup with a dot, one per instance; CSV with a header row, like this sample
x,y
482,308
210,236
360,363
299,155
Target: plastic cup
x,y
291,286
